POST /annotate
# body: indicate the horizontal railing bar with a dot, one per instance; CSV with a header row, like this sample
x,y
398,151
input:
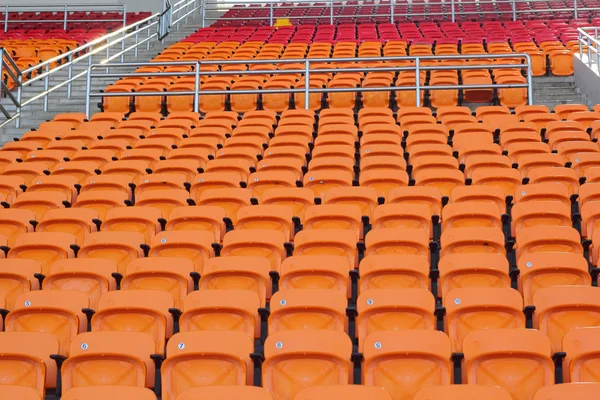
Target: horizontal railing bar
x,y
91,44
85,56
313,90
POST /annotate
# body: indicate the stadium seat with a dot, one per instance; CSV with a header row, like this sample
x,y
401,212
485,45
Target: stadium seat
x,y
327,352
29,364
409,353
527,351
210,352
463,392
59,312
109,359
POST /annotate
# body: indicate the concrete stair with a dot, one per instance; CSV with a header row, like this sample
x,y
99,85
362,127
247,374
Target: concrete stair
x,y
554,90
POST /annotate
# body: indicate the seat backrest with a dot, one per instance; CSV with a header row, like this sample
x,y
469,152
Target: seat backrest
x,y
218,357
469,309
348,392
54,311
109,358
464,392
109,392
560,309
136,311
311,358
527,351
409,354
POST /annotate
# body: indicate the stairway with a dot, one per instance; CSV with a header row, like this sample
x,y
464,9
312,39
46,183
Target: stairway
x,y
33,115
553,90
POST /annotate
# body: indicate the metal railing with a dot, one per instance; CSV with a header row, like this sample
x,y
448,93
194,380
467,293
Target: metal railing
x,y
9,68
416,66
451,7
155,27
588,44
65,12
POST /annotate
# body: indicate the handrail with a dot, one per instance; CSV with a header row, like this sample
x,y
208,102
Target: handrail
x,y
65,9
592,44
452,7
14,74
307,70
153,27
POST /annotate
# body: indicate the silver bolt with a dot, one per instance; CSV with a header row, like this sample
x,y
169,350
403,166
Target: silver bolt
x,y
377,345
279,345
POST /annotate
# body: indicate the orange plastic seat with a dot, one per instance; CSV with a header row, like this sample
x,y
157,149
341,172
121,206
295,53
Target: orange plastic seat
x,y
101,201
505,178
43,247
532,213
196,246
211,352
112,392
338,242
409,353
319,348
472,270
144,311
393,310
58,312
108,359
349,392
561,309
566,176
548,239
222,310
316,272
121,247
463,392
26,361
583,391
308,309
471,309
472,240
442,179
14,222
164,200
78,222
394,271
547,191
527,351
16,277
542,270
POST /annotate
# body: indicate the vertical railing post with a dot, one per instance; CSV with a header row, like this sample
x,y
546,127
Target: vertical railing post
x,y
575,9
5,18
514,9
46,86
589,55
1,70
392,2
88,89
452,11
197,88
70,61
203,13
271,13
580,43
137,40
66,17
418,81
107,53
331,12
19,100
307,84
123,35
529,80
148,41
